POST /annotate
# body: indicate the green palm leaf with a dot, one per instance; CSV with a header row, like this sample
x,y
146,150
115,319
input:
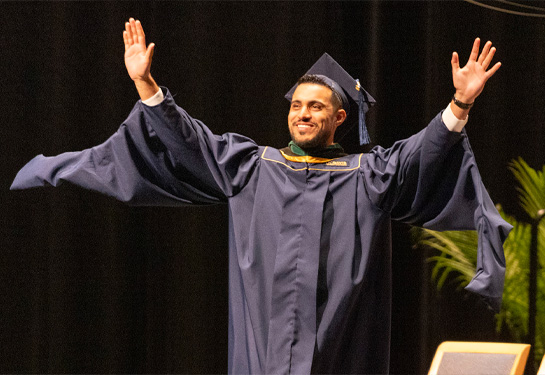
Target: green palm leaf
x,y
456,255
532,186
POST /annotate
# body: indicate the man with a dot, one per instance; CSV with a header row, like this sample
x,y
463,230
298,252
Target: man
x,y
309,262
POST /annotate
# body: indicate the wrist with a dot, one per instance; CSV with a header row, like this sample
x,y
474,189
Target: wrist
x,y
460,113
462,103
144,80
460,96
146,87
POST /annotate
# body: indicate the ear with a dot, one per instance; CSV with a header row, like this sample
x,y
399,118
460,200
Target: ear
x,y
340,117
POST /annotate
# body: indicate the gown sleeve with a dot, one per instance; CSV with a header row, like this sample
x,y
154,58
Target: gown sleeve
x,y
159,156
431,180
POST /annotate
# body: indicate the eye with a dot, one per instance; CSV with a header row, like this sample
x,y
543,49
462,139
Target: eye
x,y
295,105
316,106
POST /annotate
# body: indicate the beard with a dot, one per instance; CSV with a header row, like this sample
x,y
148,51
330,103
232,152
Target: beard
x,y
319,141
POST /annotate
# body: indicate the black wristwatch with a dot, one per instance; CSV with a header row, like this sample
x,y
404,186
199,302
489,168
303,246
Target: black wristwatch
x,y
462,104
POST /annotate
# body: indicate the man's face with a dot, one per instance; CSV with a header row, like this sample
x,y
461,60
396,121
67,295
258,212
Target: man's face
x,y
313,119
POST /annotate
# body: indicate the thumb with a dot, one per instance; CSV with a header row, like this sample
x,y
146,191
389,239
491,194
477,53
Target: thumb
x,y
455,62
149,52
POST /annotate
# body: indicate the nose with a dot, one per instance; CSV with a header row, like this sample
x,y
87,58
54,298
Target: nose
x,y
304,114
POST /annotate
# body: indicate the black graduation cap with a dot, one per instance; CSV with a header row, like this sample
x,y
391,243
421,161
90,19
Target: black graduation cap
x,y
354,97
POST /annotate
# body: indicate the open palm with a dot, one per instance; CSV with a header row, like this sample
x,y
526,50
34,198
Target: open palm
x,y
469,81
137,55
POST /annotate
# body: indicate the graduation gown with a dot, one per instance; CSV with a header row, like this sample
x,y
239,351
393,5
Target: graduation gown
x,y
309,238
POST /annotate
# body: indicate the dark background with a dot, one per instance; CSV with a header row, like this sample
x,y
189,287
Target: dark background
x,y
89,285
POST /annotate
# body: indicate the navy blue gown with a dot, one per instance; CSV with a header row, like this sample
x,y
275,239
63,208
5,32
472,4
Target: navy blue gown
x,y
309,239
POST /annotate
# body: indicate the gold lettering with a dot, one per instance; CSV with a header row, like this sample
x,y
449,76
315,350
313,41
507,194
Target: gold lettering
x,y
337,163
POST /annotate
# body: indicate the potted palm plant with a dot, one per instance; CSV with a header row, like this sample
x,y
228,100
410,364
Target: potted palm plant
x,y
524,293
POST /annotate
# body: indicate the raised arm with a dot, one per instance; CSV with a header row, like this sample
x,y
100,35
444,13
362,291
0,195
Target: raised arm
x,y
138,59
469,81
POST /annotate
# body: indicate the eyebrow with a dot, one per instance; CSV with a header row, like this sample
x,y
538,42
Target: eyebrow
x,y
310,102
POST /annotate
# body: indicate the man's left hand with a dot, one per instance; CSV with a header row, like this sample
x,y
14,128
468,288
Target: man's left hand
x,y
469,81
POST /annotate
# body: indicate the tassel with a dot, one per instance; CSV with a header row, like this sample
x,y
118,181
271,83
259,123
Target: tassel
x,y
362,103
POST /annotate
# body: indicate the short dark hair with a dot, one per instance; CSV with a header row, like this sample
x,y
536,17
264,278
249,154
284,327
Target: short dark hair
x,y
317,80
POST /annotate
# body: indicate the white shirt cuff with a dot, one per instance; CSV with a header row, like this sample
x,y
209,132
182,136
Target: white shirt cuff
x,y
158,98
453,123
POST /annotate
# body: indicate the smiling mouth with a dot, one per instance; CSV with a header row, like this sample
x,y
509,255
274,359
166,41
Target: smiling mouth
x,y
304,125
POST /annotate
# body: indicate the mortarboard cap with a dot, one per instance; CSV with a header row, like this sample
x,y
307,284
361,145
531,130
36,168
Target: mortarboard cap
x,y
355,99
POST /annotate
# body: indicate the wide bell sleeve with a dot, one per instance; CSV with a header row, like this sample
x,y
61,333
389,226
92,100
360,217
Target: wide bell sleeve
x,y
159,156
431,180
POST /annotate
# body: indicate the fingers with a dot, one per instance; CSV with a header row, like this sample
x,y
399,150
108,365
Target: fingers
x,y
492,70
474,50
489,56
140,33
127,35
134,33
132,25
484,52
485,58
126,40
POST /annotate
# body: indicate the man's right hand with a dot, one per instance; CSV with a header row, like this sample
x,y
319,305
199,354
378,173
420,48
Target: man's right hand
x,y
138,59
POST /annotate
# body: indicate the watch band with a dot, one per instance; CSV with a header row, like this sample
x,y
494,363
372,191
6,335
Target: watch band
x,y
462,104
